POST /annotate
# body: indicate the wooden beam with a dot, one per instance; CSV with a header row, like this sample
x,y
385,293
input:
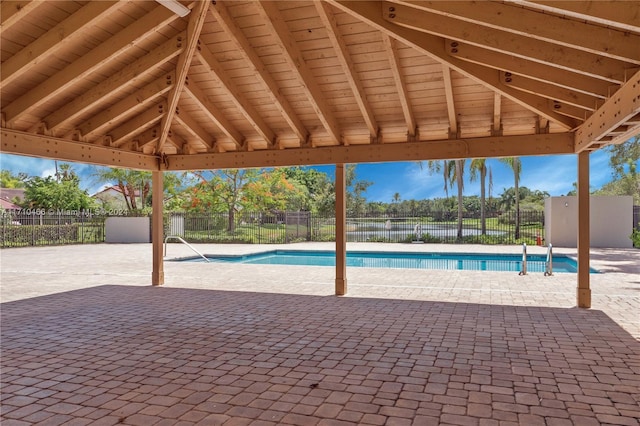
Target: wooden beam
x,y
578,34
350,73
215,115
135,102
433,46
157,227
447,149
236,96
341,228
522,46
623,105
129,75
11,12
551,91
194,28
194,129
496,129
272,18
55,39
537,71
42,146
88,63
619,14
229,25
401,87
127,131
584,244
451,106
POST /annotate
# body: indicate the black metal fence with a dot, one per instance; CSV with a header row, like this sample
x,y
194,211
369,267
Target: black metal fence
x,y
37,228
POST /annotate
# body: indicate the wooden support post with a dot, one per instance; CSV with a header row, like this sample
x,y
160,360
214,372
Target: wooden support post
x,y
341,227
157,231
583,291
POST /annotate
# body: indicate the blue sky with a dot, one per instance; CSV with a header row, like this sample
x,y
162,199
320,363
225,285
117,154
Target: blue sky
x,y
554,174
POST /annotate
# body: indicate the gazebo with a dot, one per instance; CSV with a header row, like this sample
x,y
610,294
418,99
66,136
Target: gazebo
x,y
169,85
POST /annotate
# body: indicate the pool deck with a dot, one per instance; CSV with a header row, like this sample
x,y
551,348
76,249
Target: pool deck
x,y
87,340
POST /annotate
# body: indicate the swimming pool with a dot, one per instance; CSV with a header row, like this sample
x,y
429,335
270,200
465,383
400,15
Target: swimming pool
x,y
405,260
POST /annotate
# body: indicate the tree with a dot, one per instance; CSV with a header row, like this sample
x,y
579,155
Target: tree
x,y
477,167
396,198
453,171
356,201
127,181
318,188
515,165
60,194
9,180
623,159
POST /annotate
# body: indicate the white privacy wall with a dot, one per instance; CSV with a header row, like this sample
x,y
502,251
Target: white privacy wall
x,y
611,221
127,230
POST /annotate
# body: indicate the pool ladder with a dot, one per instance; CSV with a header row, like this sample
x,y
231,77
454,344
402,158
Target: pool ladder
x,y
548,263
175,237
523,271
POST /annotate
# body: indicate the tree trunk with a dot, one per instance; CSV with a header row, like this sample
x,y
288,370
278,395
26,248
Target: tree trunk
x,y
232,220
123,189
132,196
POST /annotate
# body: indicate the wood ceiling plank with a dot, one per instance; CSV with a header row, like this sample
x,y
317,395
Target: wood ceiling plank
x,y
346,64
221,14
215,115
608,42
400,85
194,129
270,14
23,143
521,46
551,91
125,132
88,63
140,99
205,56
12,12
61,35
128,75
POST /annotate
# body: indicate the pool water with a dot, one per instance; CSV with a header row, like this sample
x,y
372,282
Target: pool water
x,y
405,260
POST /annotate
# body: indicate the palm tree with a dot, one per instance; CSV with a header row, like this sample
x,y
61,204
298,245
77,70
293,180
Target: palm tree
x,y
127,181
396,198
479,166
516,167
452,171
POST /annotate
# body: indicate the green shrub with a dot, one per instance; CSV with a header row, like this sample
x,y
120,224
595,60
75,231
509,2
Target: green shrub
x,y
635,237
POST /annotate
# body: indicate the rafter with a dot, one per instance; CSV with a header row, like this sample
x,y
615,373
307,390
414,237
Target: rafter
x,y
622,106
401,87
278,28
127,76
138,100
147,138
551,91
127,131
342,54
12,12
433,46
451,106
524,47
194,129
88,63
194,28
537,71
623,16
581,35
42,146
226,22
496,127
236,96
55,39
215,115
447,149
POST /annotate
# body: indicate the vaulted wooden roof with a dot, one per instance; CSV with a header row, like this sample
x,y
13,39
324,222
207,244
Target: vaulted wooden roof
x,y
248,83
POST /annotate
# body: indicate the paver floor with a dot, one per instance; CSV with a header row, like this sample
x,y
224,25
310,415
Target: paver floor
x,y
86,340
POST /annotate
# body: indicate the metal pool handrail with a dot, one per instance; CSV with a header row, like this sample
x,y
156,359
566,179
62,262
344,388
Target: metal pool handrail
x,y
548,264
523,271
183,242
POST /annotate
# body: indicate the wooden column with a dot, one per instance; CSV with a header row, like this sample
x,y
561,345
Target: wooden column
x,y
341,236
157,231
583,291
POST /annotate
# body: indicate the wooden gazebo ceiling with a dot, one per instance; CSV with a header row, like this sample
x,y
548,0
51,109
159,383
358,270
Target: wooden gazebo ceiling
x,y
252,84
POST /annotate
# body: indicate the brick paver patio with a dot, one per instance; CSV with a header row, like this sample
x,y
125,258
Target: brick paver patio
x,y
86,340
